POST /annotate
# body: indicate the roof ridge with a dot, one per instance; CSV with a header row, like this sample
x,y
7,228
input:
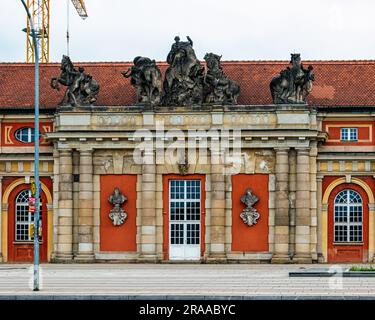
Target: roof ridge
x,y
119,63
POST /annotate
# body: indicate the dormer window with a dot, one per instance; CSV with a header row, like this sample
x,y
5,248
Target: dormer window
x,y
349,134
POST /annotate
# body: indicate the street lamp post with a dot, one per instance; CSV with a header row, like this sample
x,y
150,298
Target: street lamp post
x,y
36,156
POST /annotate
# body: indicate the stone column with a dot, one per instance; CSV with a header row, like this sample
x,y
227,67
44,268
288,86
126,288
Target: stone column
x,y
85,217
65,210
148,211
319,196
1,218
313,200
55,200
303,216
217,236
281,252
292,201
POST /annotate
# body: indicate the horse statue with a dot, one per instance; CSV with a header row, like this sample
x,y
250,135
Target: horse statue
x,y
293,84
218,88
183,83
146,78
82,88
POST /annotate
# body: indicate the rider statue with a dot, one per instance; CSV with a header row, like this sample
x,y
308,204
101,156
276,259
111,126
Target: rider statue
x,y
82,88
293,84
145,77
218,88
183,83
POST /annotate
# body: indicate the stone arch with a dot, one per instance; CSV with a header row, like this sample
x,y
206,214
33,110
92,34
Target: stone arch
x,y
4,216
324,213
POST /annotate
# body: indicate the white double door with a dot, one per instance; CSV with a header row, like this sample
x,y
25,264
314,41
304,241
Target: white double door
x,y
184,219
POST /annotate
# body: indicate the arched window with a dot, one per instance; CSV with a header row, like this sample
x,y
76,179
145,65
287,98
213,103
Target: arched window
x,y
24,218
348,216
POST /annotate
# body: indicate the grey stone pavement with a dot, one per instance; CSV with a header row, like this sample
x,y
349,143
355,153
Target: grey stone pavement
x,y
178,281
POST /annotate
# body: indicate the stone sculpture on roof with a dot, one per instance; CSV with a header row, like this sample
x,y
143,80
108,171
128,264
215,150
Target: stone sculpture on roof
x,y
183,83
218,88
186,82
293,84
82,88
146,79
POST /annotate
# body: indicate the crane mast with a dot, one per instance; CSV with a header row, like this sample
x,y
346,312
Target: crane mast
x,y
40,11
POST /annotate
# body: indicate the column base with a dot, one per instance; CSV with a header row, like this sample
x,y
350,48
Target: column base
x,y
217,257
1,258
62,258
148,258
321,258
302,258
84,258
280,258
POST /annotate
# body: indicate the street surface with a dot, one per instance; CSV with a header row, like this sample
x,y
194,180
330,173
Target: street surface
x,y
174,281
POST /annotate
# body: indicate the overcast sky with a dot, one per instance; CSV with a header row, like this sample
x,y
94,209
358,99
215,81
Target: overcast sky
x,y
119,30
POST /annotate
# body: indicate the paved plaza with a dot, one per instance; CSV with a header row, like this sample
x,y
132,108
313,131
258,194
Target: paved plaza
x,y
174,281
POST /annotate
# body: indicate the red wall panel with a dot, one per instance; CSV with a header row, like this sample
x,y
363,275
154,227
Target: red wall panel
x,y
9,129
118,238
366,132
254,238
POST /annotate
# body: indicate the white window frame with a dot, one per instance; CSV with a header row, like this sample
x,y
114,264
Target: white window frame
x,y
30,217
347,205
349,132
185,222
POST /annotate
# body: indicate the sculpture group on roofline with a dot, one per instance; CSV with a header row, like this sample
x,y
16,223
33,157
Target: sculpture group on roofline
x,y
82,88
186,81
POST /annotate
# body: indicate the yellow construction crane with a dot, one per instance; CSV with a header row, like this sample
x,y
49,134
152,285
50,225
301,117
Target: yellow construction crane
x,y
40,12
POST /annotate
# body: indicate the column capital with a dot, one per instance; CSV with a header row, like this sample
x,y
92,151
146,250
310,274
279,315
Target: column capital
x,y
86,151
281,149
302,150
65,151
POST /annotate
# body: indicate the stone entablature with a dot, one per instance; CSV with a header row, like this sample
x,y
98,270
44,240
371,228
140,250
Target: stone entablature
x,y
270,125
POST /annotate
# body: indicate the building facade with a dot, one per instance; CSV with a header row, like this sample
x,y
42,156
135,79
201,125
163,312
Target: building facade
x,y
260,182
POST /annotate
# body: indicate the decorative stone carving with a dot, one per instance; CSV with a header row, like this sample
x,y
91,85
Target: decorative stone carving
x,y
117,214
183,164
293,84
218,88
249,215
183,83
82,88
146,79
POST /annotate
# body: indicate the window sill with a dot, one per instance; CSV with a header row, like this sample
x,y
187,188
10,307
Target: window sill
x,y
348,243
26,242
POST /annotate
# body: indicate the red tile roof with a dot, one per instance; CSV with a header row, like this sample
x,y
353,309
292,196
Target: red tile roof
x,y
338,83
